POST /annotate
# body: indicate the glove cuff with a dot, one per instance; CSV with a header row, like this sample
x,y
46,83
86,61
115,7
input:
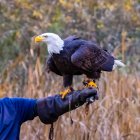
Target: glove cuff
x,y
45,111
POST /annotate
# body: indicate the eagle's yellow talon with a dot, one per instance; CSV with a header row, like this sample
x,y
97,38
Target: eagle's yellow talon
x,y
91,84
65,92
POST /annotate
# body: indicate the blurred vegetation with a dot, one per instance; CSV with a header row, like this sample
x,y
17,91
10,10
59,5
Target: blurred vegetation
x,y
115,25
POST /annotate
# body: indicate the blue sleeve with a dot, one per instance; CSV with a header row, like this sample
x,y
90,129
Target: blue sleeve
x,y
13,112
24,108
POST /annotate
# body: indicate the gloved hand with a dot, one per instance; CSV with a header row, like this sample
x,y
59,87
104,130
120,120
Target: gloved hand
x,y
50,108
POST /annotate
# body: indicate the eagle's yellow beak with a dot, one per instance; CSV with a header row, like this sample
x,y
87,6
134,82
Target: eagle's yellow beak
x,y
38,39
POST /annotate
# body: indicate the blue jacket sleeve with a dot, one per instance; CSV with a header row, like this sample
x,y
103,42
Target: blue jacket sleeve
x,y
26,108
23,108
13,112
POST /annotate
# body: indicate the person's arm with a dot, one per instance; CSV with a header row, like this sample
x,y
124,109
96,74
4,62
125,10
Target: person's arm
x,y
48,109
13,112
25,108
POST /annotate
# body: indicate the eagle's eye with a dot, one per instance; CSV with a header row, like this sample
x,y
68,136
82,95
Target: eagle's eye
x,y
45,36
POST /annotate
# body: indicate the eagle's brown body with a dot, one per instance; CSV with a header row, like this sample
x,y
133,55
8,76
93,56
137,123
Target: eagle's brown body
x,y
80,57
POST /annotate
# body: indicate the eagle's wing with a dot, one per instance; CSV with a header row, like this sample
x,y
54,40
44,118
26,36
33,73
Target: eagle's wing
x,y
51,66
71,38
90,57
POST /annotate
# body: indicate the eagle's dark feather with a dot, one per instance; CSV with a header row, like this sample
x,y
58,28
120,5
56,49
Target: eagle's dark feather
x,y
52,67
80,57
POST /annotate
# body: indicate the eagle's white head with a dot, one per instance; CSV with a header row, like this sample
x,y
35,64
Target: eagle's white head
x,y
54,42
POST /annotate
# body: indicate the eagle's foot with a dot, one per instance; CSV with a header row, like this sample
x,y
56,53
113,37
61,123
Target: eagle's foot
x,y
90,83
65,92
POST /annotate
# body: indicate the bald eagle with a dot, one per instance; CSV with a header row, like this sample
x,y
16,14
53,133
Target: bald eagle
x,y
76,56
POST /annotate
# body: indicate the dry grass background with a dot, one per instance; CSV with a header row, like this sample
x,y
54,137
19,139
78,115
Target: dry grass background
x,y
115,116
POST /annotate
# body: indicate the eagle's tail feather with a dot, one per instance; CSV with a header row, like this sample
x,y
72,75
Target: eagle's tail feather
x,y
118,63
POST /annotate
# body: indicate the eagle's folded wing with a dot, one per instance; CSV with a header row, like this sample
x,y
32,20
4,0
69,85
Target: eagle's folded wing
x,y
90,57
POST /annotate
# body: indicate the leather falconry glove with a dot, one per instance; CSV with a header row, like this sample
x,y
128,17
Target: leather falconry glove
x,y
50,108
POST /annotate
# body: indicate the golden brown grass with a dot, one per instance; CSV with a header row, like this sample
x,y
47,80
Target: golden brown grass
x,y
115,116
